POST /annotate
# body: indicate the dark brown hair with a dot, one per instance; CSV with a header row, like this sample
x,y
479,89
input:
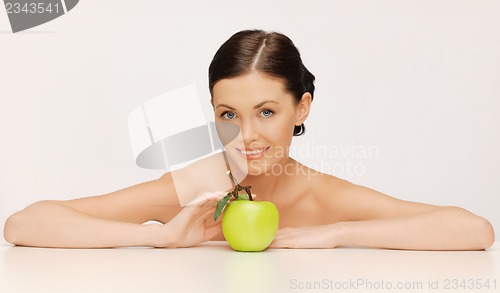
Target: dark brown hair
x,y
270,53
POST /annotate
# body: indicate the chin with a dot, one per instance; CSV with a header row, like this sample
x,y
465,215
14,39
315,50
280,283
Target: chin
x,y
257,171
258,168
242,167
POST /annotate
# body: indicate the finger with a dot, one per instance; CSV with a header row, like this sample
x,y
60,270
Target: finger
x,y
279,244
210,204
275,244
203,206
219,220
200,210
199,200
206,196
207,213
212,231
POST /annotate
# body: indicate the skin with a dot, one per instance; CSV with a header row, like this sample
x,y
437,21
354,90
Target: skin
x,y
321,211
316,210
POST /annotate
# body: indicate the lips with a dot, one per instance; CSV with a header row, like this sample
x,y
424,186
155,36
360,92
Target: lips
x,y
252,153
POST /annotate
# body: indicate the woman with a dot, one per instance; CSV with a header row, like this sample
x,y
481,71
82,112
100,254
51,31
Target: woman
x,y
257,81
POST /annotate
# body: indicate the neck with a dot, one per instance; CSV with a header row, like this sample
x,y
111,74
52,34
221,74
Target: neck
x,y
265,186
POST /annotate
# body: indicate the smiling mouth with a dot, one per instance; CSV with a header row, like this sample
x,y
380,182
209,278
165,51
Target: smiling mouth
x,y
253,153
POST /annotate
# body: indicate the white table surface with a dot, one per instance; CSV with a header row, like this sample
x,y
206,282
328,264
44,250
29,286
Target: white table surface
x,y
214,267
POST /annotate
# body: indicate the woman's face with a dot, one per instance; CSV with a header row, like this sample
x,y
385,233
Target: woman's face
x,y
266,114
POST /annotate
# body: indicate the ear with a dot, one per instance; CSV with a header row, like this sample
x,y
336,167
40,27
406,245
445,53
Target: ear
x,y
303,108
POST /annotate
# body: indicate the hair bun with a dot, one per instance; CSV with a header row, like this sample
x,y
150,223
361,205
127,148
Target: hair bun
x,y
309,82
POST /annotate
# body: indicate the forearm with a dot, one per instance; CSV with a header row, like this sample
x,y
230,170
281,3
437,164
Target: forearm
x,y
443,229
49,224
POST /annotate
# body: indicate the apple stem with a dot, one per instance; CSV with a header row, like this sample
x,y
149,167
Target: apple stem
x,y
238,187
247,189
232,178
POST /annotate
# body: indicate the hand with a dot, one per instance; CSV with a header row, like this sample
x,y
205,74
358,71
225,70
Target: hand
x,y
323,236
194,224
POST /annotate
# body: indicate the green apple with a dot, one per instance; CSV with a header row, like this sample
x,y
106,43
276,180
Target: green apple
x,y
250,225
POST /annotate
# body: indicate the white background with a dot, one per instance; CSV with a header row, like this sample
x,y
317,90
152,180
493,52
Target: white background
x,y
417,80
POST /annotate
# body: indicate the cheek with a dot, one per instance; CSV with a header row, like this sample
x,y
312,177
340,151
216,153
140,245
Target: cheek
x,y
279,131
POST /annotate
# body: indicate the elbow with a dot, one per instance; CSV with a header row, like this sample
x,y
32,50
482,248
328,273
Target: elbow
x,y
476,232
16,226
480,230
9,230
486,233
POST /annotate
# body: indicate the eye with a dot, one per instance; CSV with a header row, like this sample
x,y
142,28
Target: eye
x,y
266,113
228,115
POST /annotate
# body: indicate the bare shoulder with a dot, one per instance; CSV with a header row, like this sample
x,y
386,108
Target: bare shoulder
x,y
327,187
323,181
352,202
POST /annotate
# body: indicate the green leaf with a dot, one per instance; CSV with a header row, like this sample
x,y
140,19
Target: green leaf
x,y
243,196
221,204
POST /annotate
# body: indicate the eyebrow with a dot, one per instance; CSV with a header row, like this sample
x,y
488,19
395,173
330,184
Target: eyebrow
x,y
255,107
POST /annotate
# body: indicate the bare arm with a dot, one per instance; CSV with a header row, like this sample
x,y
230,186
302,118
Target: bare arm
x,y
445,228
114,220
53,224
373,219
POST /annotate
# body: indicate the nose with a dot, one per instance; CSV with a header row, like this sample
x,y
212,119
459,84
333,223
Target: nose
x,y
250,132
